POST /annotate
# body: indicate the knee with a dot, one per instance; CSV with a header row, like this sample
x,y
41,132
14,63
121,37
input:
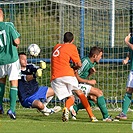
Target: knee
x,y
37,104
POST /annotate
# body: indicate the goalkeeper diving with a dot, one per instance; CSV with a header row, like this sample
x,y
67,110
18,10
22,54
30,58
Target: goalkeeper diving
x,y
30,94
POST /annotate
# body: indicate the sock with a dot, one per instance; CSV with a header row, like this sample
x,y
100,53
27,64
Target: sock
x,y
78,106
69,102
126,102
86,104
45,110
13,98
92,104
48,100
2,91
102,105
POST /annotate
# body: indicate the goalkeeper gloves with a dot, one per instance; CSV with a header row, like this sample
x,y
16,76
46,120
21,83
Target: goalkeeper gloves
x,y
42,64
39,72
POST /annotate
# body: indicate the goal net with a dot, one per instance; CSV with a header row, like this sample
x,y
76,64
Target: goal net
x,y
103,23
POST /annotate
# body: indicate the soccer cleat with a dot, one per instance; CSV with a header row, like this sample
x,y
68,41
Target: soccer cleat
x,y
11,114
65,115
48,113
108,119
1,110
56,109
94,119
121,116
73,113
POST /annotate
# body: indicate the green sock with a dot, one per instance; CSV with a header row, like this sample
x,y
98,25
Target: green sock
x,y
92,104
78,106
2,91
126,102
13,98
102,105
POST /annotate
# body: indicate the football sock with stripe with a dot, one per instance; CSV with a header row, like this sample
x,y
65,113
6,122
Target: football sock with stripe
x,y
13,98
102,105
126,102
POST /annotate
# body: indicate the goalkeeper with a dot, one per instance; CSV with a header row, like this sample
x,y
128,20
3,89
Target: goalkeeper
x,y
29,92
86,85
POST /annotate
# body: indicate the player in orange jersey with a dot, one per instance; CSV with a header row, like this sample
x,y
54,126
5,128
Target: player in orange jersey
x,y
63,79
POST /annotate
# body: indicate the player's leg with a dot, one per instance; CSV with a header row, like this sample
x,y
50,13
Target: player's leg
x,y
85,103
2,91
63,89
125,104
49,96
13,94
14,72
127,97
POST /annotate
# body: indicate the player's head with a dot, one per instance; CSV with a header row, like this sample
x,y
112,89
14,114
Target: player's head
x,y
1,14
68,37
22,59
96,53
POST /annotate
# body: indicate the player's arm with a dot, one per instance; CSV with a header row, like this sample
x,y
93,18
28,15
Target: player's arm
x,y
125,61
127,38
76,66
17,42
81,80
91,71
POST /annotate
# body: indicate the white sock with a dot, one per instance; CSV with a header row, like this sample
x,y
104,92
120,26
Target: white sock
x,y
46,110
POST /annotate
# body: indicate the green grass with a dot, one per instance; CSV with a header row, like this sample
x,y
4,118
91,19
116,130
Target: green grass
x,y
29,121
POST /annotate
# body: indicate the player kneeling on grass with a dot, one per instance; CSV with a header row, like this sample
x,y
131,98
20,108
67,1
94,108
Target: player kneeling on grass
x,y
86,85
29,92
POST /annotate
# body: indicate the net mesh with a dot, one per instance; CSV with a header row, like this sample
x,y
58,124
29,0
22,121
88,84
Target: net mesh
x,y
44,22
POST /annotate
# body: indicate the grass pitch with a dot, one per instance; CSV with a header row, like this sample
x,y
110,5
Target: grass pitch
x,y
30,121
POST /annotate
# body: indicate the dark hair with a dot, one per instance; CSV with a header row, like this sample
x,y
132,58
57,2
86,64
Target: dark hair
x,y
95,50
68,37
21,53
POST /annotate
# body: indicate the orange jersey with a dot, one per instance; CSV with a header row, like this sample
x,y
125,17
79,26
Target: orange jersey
x,y
60,60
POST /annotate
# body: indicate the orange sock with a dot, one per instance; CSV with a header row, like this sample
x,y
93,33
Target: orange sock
x,y
69,102
86,104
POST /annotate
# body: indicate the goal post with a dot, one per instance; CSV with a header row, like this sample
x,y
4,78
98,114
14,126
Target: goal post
x,y
103,23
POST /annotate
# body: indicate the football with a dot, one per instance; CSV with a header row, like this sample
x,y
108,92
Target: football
x,y
34,50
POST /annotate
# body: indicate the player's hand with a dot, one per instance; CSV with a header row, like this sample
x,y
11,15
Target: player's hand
x,y
127,38
39,72
92,82
43,64
124,62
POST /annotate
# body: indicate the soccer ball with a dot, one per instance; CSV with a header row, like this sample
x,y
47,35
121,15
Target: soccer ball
x,y
34,50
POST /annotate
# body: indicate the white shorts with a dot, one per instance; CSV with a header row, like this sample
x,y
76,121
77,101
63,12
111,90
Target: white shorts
x,y
130,80
63,86
13,70
85,88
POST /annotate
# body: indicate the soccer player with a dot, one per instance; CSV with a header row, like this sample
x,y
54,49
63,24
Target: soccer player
x,y
63,80
86,85
29,92
9,63
129,86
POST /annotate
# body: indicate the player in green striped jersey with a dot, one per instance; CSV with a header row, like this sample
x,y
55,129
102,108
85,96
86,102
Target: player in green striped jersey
x,y
129,87
87,85
9,63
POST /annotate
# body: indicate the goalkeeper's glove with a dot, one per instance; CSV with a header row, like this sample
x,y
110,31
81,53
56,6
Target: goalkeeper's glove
x,y
42,64
39,72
